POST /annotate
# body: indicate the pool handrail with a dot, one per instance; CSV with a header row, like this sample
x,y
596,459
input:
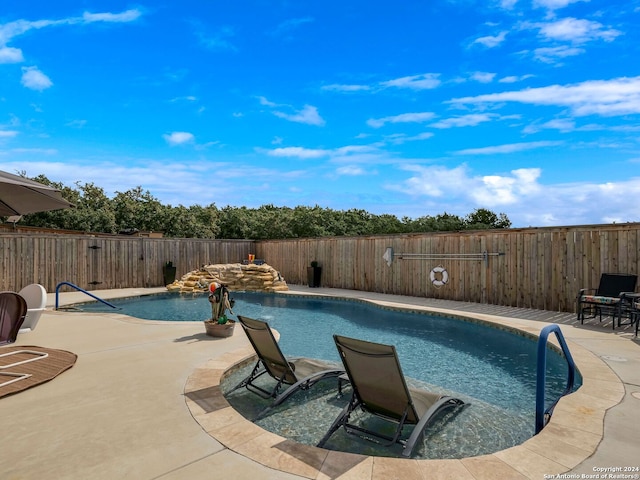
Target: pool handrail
x,y
541,412
81,290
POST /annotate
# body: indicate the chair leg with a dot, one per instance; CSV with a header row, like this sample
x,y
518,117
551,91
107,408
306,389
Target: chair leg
x,y
339,421
580,312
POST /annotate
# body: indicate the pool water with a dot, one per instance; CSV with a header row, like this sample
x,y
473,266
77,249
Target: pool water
x,y
491,369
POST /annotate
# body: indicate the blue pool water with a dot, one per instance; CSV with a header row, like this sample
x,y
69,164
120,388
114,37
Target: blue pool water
x,y
494,370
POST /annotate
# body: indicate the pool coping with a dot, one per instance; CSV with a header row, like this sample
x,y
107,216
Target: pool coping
x,y
571,436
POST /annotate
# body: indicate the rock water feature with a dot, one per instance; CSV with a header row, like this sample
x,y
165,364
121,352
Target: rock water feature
x,y
235,276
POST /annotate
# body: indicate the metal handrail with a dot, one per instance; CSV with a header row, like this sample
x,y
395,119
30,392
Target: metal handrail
x,y
81,290
542,414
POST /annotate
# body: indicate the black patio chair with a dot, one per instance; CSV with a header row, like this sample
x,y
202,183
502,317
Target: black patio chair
x,y
632,301
607,299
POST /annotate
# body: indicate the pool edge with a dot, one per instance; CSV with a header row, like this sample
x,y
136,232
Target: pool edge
x,y
573,434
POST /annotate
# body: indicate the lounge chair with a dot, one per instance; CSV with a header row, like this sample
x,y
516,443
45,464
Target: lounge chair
x,y
606,299
36,297
379,388
13,310
299,374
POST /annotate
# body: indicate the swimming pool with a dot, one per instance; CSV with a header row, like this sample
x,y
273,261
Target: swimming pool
x,y
490,368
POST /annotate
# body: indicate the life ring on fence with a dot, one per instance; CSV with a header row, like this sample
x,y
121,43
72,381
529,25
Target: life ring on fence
x,y
439,276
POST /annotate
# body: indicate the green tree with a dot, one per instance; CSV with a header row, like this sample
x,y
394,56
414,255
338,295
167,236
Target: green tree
x,y
235,222
137,209
91,212
482,219
386,224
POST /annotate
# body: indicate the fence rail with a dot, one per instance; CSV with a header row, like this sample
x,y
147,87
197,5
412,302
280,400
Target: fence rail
x,y
534,267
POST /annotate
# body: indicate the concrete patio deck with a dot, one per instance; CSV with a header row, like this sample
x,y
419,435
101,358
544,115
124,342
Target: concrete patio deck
x,y
142,403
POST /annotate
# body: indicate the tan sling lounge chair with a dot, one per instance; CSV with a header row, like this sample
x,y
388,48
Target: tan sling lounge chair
x,y
379,388
299,374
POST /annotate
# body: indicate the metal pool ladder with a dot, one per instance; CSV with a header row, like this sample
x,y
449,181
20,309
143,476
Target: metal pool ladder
x,y
81,290
542,414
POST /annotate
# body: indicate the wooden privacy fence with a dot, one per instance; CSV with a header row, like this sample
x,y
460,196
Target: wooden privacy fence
x,y
534,267
101,262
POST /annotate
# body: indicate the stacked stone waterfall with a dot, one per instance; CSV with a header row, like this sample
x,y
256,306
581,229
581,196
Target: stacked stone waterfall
x,y
236,276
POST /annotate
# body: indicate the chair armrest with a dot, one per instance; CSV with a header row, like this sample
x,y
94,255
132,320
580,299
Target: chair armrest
x,y
629,298
629,295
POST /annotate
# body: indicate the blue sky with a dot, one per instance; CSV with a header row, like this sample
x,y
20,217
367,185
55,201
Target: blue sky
x,y
526,107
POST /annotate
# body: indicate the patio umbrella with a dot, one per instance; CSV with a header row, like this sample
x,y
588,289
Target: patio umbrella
x,y
20,196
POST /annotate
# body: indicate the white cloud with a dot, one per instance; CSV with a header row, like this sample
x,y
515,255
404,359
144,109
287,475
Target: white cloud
x,y
187,98
346,88
552,54
432,181
217,40
620,96
491,41
291,24
10,55
76,123
351,170
507,148
520,194
266,103
351,149
577,31
348,151
8,133
483,77
554,4
42,151
298,152
470,120
178,138
561,124
10,30
426,81
123,17
514,78
400,138
34,79
498,190
402,118
308,115
508,4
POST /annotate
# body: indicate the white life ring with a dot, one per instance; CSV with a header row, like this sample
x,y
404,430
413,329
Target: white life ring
x,y
441,279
